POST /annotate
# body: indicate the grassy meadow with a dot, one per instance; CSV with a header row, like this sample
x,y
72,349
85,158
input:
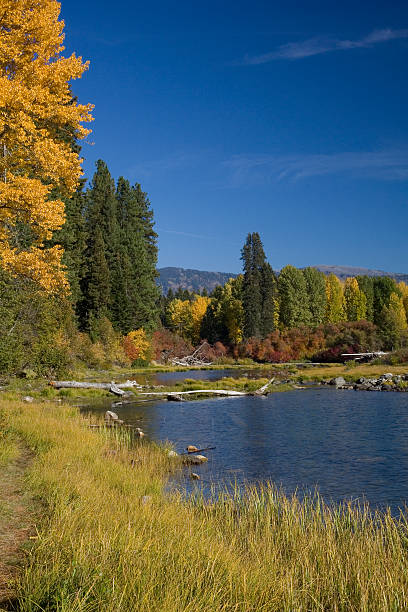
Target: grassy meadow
x,y
109,538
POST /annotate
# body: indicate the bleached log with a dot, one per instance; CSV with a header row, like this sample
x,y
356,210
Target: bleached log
x,y
223,392
262,390
112,386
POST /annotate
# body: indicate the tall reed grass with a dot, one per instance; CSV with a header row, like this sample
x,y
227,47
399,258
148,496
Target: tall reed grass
x,y
112,541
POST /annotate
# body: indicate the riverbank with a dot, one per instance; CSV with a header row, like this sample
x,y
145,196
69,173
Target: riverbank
x,y
110,538
287,376
40,389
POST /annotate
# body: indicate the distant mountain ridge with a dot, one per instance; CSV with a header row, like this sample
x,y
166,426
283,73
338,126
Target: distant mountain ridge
x,y
197,280
344,272
193,280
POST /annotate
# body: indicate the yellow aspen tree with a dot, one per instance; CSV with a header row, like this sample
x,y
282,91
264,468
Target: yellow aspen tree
x,y
334,293
355,301
397,311
198,309
37,111
393,321
233,311
403,287
180,317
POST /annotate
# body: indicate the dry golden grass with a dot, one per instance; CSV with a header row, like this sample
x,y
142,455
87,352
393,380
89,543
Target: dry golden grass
x,y
103,546
368,370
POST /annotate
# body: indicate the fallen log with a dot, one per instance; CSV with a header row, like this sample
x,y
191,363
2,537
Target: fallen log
x,y
262,390
222,392
192,360
112,386
176,395
199,450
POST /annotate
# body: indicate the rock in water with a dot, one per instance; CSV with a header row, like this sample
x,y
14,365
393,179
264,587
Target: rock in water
x,y
194,476
111,416
201,458
194,459
338,382
191,449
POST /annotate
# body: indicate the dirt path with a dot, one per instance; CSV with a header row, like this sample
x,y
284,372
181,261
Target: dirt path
x,y
17,520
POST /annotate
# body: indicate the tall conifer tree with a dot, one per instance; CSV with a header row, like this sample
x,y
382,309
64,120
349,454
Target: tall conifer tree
x,y
103,240
73,239
269,291
135,304
253,258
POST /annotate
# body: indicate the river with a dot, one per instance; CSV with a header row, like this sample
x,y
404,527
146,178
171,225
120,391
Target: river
x,y
348,444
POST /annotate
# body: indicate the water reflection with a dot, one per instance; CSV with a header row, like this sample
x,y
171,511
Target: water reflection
x,y
349,444
169,378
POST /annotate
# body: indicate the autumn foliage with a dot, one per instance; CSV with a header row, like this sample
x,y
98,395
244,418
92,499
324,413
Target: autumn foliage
x,y
325,343
136,345
37,116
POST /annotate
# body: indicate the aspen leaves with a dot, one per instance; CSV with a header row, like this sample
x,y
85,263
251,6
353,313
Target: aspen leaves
x,y
37,118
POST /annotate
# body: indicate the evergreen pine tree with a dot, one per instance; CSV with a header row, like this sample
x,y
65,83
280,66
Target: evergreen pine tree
x,y
103,239
73,239
97,282
253,258
269,291
138,305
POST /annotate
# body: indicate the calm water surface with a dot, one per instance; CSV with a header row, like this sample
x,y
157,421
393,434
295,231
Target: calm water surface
x,y
169,378
349,444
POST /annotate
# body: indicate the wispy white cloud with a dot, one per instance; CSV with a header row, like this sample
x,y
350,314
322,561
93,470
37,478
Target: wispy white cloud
x,y
317,46
382,165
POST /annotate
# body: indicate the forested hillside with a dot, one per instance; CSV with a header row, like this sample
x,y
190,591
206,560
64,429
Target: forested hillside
x,y
192,280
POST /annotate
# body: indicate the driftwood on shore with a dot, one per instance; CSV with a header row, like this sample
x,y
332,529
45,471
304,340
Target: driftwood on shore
x,y
177,395
112,386
171,395
194,359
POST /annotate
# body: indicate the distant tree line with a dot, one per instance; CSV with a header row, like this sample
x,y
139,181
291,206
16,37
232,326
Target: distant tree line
x,y
261,302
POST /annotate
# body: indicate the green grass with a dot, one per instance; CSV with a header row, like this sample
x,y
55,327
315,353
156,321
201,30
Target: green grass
x,y
349,372
8,446
101,547
41,390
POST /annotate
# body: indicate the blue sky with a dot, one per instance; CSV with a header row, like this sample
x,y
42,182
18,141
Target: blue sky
x,y
290,119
